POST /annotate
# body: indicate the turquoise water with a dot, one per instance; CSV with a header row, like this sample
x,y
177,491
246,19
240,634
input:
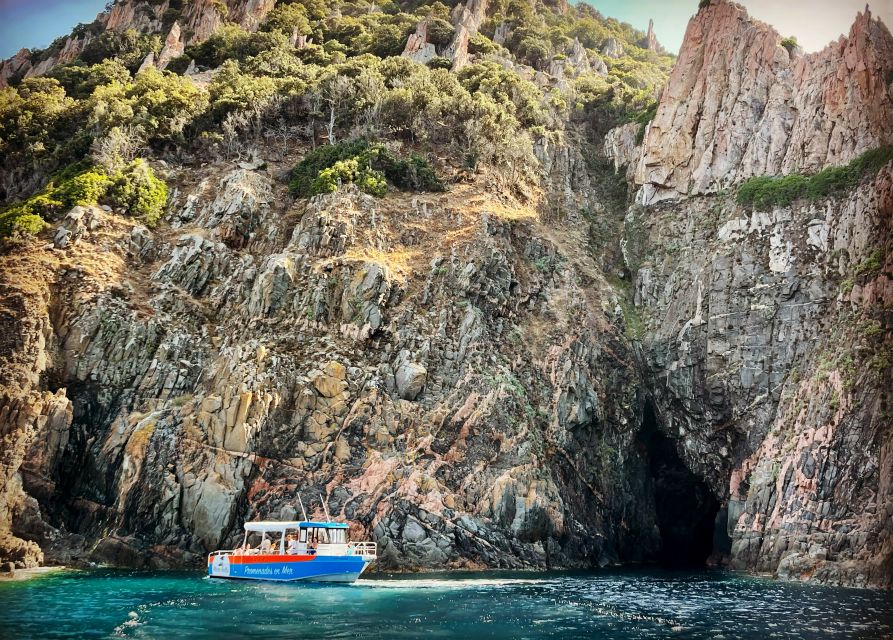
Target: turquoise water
x,y
639,604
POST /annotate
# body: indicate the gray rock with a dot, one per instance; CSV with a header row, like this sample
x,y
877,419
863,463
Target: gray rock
x,y
410,378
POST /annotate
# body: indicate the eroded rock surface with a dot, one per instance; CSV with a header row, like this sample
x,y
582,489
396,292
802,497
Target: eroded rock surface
x,y
459,402
737,104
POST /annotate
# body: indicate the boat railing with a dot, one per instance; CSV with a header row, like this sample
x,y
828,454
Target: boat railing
x,y
362,548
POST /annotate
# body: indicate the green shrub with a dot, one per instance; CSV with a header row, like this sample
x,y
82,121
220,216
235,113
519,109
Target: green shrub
x,y
17,220
766,191
440,32
307,170
369,166
29,224
84,189
414,174
330,178
136,189
871,265
438,62
129,47
353,170
372,182
479,44
789,43
287,18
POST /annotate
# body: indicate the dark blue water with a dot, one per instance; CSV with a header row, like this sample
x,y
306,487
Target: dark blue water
x,y
642,604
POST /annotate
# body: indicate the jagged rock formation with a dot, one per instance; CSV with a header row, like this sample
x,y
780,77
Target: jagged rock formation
x,y
767,332
417,46
196,22
576,62
452,373
612,48
723,118
466,18
650,38
203,375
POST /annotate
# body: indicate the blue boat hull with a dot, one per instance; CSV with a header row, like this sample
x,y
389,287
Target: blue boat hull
x,y
284,568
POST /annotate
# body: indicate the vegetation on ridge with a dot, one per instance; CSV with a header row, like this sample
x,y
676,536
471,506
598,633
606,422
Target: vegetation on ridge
x,y
767,191
346,83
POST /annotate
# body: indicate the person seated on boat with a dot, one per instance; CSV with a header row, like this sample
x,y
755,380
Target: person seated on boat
x,y
292,545
266,546
245,549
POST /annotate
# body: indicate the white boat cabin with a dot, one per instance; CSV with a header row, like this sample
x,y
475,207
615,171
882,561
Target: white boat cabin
x,y
298,538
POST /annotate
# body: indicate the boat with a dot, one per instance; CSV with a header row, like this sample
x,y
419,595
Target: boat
x,y
292,551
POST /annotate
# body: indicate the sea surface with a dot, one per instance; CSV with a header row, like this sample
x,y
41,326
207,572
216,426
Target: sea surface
x,y
626,604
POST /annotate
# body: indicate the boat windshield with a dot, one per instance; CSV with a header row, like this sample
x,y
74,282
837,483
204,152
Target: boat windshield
x,y
313,535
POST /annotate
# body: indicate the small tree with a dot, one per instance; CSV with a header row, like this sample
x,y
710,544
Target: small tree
x,y
137,190
120,146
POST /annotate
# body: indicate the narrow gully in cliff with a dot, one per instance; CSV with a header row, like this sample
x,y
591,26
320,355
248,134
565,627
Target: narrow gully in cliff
x,y
685,507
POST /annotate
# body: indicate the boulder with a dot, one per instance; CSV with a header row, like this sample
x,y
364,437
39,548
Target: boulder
x,y
330,382
612,48
411,378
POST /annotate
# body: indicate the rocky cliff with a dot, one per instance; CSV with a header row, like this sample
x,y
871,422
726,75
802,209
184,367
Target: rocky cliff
x,y
739,104
468,377
440,373
179,24
766,337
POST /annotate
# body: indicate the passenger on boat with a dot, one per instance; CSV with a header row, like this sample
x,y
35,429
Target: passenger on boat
x,y
266,546
292,545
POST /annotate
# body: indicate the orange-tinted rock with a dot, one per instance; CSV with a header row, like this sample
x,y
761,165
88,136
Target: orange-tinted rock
x,y
736,105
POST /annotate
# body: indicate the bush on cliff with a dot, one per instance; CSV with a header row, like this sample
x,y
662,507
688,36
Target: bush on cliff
x,y
83,189
136,189
22,219
369,166
768,191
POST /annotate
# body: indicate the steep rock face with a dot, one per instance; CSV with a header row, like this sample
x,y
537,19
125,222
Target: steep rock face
x,y
767,345
737,105
767,334
466,18
417,46
465,402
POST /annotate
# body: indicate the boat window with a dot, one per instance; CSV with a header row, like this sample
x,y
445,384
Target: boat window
x,y
338,536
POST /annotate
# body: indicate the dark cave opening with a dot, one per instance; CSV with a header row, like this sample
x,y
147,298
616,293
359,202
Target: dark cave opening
x,y
685,506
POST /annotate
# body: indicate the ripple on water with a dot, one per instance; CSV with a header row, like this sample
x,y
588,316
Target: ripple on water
x,y
612,605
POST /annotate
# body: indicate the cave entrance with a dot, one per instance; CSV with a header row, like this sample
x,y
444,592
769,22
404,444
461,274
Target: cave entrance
x,y
685,506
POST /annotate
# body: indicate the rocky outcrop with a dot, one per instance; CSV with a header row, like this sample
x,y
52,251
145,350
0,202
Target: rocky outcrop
x,y
576,63
467,18
248,351
767,338
417,46
650,39
621,145
767,347
17,66
198,19
723,118
173,46
612,49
